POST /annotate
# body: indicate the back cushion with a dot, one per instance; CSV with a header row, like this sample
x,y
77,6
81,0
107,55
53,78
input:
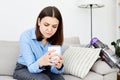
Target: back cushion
x,y
70,41
9,51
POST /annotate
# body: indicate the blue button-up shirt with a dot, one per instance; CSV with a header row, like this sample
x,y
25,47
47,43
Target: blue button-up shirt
x,y
31,50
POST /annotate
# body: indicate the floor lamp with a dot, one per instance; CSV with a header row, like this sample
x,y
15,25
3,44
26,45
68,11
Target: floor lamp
x,y
90,4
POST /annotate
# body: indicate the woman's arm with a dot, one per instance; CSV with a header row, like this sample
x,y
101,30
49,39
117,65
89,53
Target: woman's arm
x,y
27,54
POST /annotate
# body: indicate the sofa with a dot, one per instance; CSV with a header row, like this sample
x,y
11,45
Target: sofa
x,y
9,51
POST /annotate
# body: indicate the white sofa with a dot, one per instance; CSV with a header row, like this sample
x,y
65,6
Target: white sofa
x,y
9,51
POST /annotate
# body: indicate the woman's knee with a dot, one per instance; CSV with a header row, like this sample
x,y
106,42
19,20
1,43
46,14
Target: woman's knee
x,y
25,75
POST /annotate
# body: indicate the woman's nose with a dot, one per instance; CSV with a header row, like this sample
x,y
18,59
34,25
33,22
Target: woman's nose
x,y
50,28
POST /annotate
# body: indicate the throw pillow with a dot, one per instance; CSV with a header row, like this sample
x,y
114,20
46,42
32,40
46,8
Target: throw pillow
x,y
101,67
78,60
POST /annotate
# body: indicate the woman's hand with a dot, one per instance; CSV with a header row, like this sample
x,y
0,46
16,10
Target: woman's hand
x,y
46,60
58,63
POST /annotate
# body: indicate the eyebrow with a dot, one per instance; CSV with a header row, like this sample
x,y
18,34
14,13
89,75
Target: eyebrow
x,y
49,23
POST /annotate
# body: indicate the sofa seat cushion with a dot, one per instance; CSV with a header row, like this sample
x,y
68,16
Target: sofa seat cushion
x,y
110,76
78,61
71,77
93,76
8,56
6,78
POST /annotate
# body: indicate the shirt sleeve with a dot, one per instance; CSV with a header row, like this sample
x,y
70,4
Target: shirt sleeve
x,y
28,56
57,71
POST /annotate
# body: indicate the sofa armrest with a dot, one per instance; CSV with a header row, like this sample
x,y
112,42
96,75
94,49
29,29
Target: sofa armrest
x,y
103,68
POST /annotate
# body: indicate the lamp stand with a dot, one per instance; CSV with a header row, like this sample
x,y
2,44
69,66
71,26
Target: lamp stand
x,y
91,20
91,6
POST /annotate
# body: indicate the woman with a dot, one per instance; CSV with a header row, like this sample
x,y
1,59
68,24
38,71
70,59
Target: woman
x,y
35,62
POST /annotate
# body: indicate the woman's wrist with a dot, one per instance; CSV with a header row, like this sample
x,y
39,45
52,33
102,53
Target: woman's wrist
x,y
60,67
41,67
40,63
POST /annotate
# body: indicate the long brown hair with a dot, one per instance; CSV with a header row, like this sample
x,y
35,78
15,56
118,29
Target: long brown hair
x,y
52,11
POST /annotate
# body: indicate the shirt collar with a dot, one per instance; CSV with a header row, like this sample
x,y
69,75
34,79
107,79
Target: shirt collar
x,y
33,36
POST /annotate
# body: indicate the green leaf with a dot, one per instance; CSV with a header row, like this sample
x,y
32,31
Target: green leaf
x,y
118,42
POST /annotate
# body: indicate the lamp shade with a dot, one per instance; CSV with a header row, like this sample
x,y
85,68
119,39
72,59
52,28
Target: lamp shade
x,y
87,3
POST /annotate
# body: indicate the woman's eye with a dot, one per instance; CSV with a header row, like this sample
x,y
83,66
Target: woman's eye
x,y
55,26
46,24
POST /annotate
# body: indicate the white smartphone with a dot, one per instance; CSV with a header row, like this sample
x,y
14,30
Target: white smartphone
x,y
57,49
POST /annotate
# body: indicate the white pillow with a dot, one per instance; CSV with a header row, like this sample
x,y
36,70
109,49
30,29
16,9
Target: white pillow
x,y
103,68
78,60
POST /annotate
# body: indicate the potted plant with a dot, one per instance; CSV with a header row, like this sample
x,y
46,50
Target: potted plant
x,y
117,52
117,47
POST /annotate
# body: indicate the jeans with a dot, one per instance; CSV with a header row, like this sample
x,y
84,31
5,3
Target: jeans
x,y
21,73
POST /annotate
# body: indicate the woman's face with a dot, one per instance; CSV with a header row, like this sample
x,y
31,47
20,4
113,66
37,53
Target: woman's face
x,y
48,26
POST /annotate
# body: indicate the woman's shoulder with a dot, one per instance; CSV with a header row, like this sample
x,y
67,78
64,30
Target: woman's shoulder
x,y
28,33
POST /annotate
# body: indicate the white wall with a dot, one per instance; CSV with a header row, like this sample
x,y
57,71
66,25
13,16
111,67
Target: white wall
x,y
118,18
19,15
